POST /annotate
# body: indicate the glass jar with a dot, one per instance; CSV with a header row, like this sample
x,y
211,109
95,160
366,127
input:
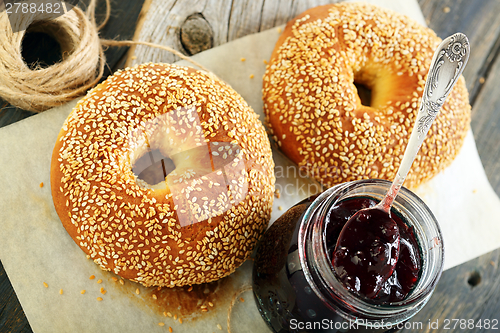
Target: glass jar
x,y
293,282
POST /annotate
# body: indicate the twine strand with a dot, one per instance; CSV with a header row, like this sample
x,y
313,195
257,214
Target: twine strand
x,y
91,13
240,291
109,42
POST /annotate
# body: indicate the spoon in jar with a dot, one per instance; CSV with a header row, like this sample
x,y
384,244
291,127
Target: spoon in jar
x,y
367,249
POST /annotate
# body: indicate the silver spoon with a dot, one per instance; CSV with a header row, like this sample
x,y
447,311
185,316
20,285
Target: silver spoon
x,y
371,234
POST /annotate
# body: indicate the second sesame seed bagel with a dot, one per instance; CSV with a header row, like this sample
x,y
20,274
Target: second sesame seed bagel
x,y
204,216
312,105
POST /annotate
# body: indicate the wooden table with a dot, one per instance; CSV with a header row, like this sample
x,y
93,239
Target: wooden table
x,y
469,291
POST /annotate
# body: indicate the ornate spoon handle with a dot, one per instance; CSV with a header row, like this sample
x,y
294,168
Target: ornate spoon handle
x,y
447,64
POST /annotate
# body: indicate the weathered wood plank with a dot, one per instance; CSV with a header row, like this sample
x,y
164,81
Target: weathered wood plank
x,y
228,19
479,21
12,318
486,125
10,114
275,13
121,25
244,18
468,291
169,16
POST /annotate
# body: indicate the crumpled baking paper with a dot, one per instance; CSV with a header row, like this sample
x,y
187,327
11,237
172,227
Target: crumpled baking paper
x,y
35,248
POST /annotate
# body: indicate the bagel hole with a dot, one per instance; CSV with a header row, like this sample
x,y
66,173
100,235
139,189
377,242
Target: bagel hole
x,y
364,93
40,50
153,167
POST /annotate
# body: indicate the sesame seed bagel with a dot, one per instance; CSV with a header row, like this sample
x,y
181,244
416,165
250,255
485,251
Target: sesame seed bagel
x,y
312,105
203,219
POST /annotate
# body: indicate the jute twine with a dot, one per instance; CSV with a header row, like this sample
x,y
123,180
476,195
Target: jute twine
x,y
80,69
240,291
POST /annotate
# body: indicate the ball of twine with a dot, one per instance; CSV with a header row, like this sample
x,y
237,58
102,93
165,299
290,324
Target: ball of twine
x,y
82,63
81,67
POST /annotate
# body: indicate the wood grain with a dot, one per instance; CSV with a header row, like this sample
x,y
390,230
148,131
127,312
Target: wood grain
x,y
468,291
168,18
12,318
228,19
479,21
486,125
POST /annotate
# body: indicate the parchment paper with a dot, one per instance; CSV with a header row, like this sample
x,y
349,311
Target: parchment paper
x,y
35,248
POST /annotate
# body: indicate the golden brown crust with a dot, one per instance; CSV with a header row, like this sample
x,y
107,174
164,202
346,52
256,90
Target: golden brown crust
x,y
214,206
313,109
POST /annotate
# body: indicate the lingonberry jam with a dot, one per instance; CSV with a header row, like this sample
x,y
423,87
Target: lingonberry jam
x,y
294,281
359,261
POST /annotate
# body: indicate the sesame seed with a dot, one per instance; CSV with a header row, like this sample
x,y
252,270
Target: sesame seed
x,y
41,184
60,292
243,59
99,299
99,281
83,291
92,277
161,324
45,285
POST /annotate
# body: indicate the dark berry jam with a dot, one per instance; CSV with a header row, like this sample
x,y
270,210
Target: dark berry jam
x,y
375,256
367,251
287,300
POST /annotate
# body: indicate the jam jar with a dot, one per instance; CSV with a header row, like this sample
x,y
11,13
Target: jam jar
x,y
294,283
